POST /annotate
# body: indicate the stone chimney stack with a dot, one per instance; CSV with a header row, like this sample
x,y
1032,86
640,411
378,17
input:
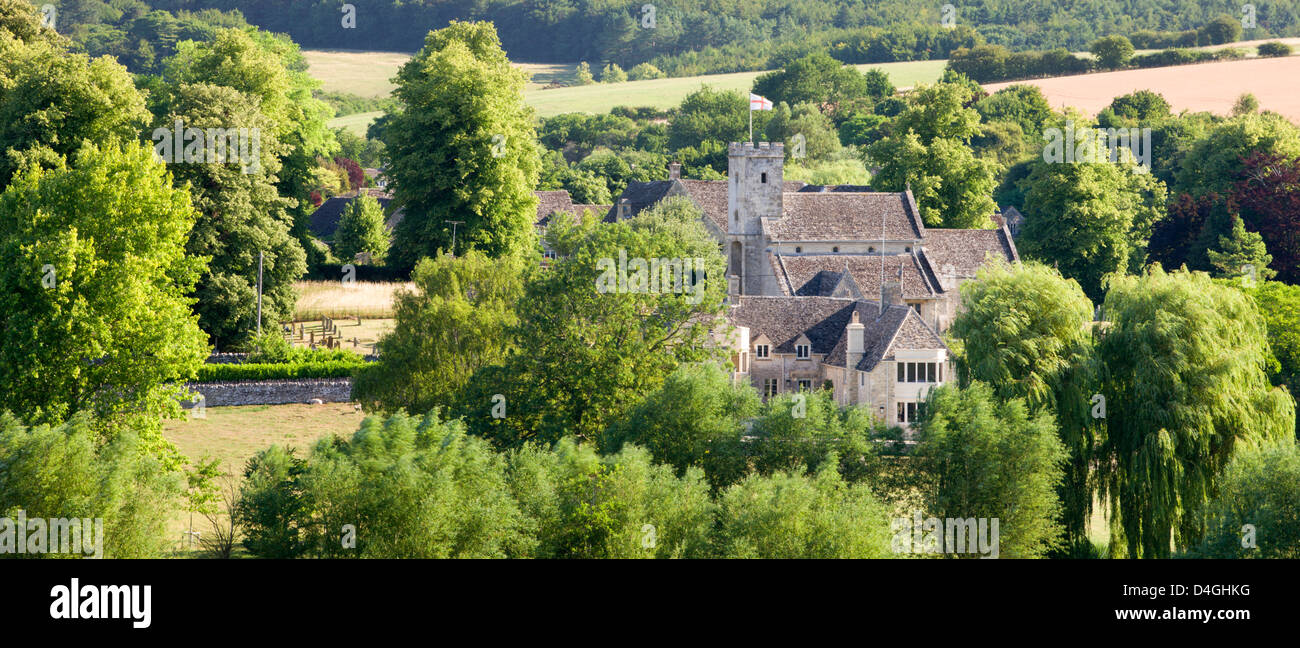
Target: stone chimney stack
x,y
891,293
855,348
674,171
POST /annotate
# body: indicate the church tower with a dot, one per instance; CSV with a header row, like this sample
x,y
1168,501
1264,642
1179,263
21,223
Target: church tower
x,y
754,188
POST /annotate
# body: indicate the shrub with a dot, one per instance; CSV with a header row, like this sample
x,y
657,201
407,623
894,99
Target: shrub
x,y
613,74
277,371
643,71
65,471
1274,48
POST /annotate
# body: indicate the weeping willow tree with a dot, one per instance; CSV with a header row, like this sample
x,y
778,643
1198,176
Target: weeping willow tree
x,y
1026,332
1185,384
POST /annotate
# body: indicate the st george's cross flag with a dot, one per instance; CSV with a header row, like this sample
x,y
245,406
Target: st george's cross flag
x,y
759,103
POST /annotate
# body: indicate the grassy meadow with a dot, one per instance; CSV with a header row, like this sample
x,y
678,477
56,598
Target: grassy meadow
x,y
369,299
368,73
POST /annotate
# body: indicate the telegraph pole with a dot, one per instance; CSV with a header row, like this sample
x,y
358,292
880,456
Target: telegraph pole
x,y
453,234
260,256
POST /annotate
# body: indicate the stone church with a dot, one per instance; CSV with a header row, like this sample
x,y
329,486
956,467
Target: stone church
x,y
831,287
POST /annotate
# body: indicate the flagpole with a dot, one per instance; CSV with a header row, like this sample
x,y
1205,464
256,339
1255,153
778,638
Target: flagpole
x,y
751,121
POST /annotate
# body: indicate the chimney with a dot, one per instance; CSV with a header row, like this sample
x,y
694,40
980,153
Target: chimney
x,y
998,219
891,293
856,336
674,171
854,349
624,209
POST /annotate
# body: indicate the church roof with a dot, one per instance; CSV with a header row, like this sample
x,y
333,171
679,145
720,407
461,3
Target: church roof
x,y
806,274
965,250
836,216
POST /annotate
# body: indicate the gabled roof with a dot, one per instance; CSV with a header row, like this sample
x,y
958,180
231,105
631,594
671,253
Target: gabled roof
x,y
823,319
835,189
836,216
799,274
325,220
549,202
639,196
709,195
965,250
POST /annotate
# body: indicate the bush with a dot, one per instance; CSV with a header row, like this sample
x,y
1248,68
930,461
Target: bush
x,y
273,348
613,74
65,471
1112,51
643,71
1274,48
583,75
277,371
1261,488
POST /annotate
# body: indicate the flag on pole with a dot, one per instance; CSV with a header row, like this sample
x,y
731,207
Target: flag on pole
x,y
756,103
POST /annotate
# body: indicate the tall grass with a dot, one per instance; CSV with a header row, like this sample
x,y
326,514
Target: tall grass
x,y
369,299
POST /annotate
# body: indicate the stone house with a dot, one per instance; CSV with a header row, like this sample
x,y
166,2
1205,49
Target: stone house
x,y
836,287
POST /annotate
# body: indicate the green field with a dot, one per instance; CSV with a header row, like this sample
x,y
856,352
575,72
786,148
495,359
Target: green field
x,y
666,93
357,123
367,74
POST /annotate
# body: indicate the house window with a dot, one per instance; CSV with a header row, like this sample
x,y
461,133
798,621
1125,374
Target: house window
x,y
761,351
909,412
920,372
835,249
917,308
802,351
763,178
871,250
862,379
907,249
805,385
769,387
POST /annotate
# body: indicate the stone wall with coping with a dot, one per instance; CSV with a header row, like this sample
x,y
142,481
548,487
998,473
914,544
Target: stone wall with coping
x,y
272,392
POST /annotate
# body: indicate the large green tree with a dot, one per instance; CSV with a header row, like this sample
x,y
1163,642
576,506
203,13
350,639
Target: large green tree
x,y
361,229
1184,385
241,213
696,418
51,101
457,320
980,456
590,345
1089,219
270,69
926,150
1025,331
95,306
462,148
796,515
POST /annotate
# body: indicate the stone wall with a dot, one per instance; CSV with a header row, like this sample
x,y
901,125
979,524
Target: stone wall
x,y
272,392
